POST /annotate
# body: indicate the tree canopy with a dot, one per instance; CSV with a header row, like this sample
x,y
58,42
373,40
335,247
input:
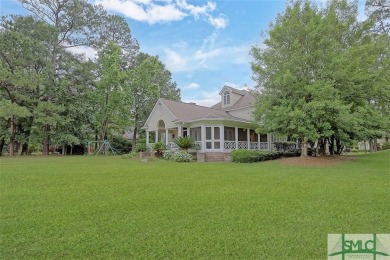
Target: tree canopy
x,y
52,97
323,75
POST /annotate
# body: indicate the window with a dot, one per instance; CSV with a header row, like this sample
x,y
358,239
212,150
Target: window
x,y
226,98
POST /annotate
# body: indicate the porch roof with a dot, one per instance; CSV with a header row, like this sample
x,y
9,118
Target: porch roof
x,y
189,112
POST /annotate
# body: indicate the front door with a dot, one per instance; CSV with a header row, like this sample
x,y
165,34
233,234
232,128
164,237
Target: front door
x,y
213,138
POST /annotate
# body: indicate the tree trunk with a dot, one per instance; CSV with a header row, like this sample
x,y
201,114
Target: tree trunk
x,y
71,150
134,141
12,137
339,146
64,149
2,142
45,148
331,145
371,145
304,147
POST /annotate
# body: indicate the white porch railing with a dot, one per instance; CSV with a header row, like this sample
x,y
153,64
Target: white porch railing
x,y
229,145
242,145
264,146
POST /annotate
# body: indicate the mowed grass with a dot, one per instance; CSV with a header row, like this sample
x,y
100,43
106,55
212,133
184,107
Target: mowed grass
x,y
108,207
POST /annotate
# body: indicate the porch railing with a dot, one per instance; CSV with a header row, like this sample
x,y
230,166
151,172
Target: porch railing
x,y
231,145
242,145
264,146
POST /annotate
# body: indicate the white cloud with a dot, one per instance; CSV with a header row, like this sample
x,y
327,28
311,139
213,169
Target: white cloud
x,y
196,11
175,62
160,11
192,85
211,55
144,11
207,98
219,22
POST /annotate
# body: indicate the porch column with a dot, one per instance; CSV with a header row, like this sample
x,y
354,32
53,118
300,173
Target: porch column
x,y
236,136
248,138
156,137
179,130
258,141
203,137
166,136
147,138
222,137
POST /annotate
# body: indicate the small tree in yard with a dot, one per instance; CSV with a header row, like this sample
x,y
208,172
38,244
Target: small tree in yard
x,y
159,147
185,142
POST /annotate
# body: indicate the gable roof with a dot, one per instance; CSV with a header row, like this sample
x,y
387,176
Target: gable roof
x,y
246,100
186,112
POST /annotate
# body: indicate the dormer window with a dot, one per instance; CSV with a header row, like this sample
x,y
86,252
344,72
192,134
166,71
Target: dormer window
x,y
226,98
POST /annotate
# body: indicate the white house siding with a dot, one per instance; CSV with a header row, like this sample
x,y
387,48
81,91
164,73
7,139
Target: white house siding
x,y
245,113
234,97
160,112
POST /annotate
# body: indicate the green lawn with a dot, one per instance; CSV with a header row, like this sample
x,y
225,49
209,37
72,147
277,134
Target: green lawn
x,y
108,207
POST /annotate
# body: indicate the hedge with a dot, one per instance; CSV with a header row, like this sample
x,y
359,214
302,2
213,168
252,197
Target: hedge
x,y
251,156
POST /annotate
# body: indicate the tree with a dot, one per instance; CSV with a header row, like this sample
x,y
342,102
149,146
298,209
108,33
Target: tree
x,y
148,81
111,97
22,69
379,12
75,24
311,85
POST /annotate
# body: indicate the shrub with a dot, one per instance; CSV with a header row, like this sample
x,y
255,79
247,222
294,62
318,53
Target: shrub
x,y
250,156
168,155
129,155
120,144
182,157
245,156
354,150
185,142
159,147
142,141
385,146
141,147
284,146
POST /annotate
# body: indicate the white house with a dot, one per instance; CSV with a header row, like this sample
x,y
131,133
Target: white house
x,y
217,130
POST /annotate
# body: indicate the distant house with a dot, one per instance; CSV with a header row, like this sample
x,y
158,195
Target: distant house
x,y
217,130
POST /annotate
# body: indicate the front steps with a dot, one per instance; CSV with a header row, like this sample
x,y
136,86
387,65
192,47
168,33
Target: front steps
x,y
213,157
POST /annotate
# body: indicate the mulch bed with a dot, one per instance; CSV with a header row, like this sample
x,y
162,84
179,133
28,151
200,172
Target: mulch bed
x,y
330,160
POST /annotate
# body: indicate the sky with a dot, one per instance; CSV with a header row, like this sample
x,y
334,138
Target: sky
x,y
205,44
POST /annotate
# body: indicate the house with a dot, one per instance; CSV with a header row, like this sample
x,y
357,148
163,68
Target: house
x,y
217,130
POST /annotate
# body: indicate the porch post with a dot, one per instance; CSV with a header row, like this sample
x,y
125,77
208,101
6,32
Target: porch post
x,y
179,130
236,136
156,137
248,138
166,136
147,138
222,137
258,141
203,137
